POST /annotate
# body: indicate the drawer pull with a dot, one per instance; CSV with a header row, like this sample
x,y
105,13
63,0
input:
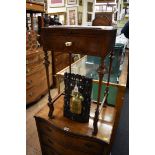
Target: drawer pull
x,y
68,44
28,70
27,61
31,94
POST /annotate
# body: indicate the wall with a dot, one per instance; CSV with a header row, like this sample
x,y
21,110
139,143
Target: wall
x,y
82,9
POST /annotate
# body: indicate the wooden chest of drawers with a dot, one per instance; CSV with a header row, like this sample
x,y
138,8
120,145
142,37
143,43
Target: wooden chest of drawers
x,y
36,83
62,136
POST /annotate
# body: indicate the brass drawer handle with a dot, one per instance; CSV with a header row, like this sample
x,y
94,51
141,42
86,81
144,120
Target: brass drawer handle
x,y
68,44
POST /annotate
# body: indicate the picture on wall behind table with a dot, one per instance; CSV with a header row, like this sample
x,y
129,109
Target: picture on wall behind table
x,y
72,16
71,2
56,3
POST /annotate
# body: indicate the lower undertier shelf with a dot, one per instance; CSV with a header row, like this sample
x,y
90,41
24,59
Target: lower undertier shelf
x,y
66,137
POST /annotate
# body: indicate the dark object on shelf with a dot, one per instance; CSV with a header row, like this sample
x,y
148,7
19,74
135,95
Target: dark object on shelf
x,y
79,98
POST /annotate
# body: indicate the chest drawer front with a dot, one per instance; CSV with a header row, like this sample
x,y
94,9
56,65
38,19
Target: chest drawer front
x,y
83,45
46,150
33,59
69,141
61,149
84,40
35,78
31,95
34,93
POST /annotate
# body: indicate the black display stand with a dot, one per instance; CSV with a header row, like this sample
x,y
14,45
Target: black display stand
x,y
84,85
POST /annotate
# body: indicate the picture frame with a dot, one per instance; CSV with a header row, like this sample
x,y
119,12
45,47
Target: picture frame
x,y
72,18
56,3
89,17
90,7
71,2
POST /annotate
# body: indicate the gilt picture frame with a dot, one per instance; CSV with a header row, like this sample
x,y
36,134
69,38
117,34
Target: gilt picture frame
x,y
72,17
56,3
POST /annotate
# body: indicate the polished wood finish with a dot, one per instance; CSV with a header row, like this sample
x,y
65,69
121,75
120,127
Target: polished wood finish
x,y
95,41
50,103
70,39
46,126
36,84
66,137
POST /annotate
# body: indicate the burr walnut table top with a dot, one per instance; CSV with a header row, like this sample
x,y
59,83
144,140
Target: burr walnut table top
x,y
105,123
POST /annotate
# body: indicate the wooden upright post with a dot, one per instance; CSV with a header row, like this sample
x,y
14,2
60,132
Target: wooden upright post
x,y
50,103
109,73
101,73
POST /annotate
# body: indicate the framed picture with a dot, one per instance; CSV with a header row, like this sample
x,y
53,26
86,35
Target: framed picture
x,y
89,17
56,3
90,7
71,2
72,16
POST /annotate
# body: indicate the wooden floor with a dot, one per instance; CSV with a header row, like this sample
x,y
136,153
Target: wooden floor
x,y
32,141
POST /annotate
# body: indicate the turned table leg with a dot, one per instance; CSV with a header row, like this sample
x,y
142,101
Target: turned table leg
x,y
101,73
50,103
109,73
